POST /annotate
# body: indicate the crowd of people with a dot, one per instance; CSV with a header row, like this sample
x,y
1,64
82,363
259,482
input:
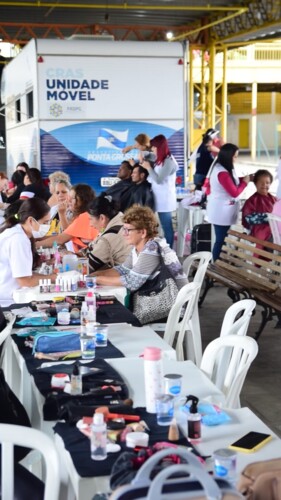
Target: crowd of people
x,y
118,230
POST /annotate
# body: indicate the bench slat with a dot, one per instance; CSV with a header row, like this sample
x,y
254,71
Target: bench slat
x,y
254,240
247,278
256,271
253,250
249,262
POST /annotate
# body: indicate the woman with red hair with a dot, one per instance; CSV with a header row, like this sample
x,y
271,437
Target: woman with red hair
x,y
163,181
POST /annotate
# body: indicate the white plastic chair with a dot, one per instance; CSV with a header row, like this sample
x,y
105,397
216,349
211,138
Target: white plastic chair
x,y
11,435
204,259
187,297
275,226
230,325
6,332
244,351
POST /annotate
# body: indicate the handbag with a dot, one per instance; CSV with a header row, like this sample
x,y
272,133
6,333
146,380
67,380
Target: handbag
x,y
183,481
154,299
261,480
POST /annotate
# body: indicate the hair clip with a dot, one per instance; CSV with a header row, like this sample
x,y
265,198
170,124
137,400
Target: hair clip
x,y
16,216
108,198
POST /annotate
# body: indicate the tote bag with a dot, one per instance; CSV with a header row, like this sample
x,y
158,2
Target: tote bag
x,y
155,298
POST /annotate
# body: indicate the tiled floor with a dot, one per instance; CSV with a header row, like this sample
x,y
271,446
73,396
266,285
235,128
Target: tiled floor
x,y
262,389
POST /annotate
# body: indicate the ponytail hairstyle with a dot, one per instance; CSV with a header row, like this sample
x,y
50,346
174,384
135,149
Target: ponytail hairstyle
x,y
163,151
104,205
33,207
225,157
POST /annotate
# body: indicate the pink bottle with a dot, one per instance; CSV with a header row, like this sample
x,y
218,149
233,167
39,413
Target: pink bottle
x,y
153,376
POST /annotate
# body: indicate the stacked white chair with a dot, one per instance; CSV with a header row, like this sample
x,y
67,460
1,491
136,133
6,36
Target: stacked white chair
x,y
190,327
11,435
234,367
10,318
181,326
202,260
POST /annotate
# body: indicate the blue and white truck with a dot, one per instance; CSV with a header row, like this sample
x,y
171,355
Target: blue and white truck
x,y
73,105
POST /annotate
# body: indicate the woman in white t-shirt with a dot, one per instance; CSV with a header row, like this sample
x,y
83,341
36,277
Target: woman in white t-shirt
x,y
163,182
18,249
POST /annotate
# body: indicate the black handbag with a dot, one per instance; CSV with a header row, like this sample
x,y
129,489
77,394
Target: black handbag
x,y
155,297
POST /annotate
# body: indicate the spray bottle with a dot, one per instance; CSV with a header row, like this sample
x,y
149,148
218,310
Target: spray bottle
x,y
193,419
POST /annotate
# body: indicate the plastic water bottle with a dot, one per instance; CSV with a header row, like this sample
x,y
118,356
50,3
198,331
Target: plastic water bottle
x,y
153,377
98,438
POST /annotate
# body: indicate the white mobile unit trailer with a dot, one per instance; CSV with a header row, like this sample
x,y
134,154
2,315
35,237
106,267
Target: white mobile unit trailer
x,y
73,105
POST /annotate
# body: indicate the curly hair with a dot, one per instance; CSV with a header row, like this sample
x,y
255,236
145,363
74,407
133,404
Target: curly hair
x,y
142,218
262,173
59,176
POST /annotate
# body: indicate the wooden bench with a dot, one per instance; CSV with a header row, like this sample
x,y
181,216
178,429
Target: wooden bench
x,y
249,272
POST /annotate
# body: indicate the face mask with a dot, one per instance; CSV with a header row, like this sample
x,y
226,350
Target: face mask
x,y
42,231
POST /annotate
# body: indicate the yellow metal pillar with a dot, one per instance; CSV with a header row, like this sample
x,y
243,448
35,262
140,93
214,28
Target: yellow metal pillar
x,y
212,88
203,92
191,101
254,120
224,97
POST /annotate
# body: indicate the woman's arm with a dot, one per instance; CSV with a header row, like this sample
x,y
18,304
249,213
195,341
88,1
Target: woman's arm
x,y
48,242
169,167
34,279
232,189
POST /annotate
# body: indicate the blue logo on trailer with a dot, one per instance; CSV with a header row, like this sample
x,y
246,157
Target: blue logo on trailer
x,y
91,150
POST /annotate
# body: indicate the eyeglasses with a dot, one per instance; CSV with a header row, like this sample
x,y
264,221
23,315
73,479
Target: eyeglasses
x,y
127,230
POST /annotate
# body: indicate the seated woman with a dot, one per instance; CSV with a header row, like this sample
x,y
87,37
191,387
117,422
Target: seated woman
x,y
60,213
140,231
54,178
34,185
17,257
256,208
79,232
109,248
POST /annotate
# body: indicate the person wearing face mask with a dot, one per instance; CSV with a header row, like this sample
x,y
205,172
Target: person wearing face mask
x,y
18,256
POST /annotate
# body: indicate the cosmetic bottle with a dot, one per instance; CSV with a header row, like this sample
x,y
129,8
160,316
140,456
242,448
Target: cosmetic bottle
x,y
98,438
76,381
193,419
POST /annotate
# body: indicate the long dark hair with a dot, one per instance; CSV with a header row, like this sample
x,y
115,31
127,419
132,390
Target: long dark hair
x,y
104,205
225,157
35,176
33,207
85,194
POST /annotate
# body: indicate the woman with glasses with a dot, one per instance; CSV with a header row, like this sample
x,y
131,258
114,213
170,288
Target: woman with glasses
x,y
79,232
18,256
140,230
223,204
109,248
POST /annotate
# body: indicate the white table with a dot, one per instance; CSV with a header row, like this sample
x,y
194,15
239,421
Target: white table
x,y
24,295
195,382
188,217
130,340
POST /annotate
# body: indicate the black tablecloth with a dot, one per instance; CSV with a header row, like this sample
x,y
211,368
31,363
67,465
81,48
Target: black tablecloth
x,y
78,445
107,313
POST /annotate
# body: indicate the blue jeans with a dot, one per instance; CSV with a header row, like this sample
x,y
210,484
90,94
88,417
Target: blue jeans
x,y
167,226
220,232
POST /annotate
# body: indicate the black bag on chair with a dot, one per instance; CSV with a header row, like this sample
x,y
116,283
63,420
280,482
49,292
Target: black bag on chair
x,y
155,297
12,412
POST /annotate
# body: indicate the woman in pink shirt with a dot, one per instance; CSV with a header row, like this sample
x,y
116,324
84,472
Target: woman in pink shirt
x,y
222,205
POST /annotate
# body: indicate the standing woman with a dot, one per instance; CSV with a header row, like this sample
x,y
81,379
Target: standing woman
x,y
163,181
17,247
223,206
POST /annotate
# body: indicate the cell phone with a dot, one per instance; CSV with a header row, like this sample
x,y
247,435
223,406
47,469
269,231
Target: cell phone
x,y
251,442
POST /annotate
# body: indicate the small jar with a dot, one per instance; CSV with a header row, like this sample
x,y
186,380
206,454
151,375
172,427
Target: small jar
x,y
63,317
